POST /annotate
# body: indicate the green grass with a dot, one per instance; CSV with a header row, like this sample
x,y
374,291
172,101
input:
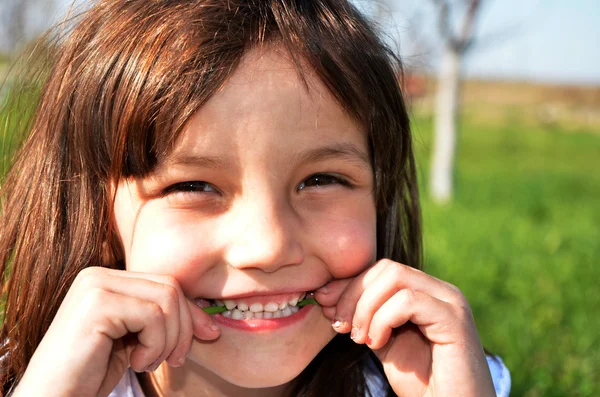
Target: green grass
x,y
15,121
521,240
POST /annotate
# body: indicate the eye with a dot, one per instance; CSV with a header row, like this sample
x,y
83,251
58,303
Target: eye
x,y
191,187
318,180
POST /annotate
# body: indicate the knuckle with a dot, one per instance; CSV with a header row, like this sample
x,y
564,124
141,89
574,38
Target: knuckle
x,y
460,303
387,262
406,297
170,295
456,296
396,271
94,297
87,279
454,290
464,311
170,280
90,302
155,312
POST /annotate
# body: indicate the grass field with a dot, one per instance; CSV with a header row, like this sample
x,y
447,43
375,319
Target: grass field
x,y
522,239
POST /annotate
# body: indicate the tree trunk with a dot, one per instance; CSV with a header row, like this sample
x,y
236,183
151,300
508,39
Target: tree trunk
x,y
442,165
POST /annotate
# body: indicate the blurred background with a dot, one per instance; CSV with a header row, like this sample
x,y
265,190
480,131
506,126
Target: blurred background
x,y
505,101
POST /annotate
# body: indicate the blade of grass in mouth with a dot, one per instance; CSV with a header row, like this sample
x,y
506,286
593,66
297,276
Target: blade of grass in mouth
x,y
221,309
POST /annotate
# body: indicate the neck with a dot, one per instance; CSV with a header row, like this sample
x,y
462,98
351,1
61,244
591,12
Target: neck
x,y
194,380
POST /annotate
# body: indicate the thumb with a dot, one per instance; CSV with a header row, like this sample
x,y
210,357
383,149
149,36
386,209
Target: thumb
x,y
202,323
329,295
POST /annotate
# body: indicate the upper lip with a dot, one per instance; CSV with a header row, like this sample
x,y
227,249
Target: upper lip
x,y
263,293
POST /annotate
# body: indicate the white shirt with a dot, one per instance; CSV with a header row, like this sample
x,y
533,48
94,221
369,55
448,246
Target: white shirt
x,y
130,387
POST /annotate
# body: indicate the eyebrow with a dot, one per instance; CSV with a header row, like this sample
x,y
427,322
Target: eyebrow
x,y
197,160
343,150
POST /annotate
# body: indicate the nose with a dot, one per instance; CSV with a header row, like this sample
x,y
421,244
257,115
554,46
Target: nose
x,y
263,235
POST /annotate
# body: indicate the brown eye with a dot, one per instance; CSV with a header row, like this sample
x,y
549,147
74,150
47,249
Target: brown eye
x,y
318,180
192,187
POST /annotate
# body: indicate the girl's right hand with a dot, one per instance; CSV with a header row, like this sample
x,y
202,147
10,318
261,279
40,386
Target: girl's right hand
x,y
111,320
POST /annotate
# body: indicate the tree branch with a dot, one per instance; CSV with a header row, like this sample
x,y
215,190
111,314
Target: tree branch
x,y
466,32
443,21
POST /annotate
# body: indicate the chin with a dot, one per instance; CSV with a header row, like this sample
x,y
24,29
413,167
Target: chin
x,y
259,361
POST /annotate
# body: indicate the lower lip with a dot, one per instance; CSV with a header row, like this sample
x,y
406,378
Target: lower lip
x,y
257,325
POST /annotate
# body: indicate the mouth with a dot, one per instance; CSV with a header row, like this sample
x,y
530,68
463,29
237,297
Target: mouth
x,y
257,307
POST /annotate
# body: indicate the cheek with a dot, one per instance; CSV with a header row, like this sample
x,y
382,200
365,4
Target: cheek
x,y
348,248
168,246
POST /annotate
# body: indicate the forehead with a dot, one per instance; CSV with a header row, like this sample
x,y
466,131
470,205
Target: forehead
x,y
266,99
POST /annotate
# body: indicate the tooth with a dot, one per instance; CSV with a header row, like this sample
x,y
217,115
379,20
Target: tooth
x,y
256,307
219,302
271,307
294,309
286,312
229,304
248,315
293,302
242,306
283,305
302,296
258,315
277,314
268,315
237,314
226,313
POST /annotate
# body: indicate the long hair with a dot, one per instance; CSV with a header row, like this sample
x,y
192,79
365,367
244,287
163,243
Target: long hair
x,y
123,83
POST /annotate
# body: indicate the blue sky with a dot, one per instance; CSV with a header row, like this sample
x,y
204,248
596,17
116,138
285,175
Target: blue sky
x,y
539,40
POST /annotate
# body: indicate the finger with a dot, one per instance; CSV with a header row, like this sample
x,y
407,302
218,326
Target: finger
x,y
435,318
329,294
374,295
346,303
164,292
186,334
329,313
167,295
182,339
400,277
120,315
203,325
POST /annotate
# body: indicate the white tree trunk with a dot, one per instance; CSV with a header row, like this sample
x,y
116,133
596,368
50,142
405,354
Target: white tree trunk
x,y
442,165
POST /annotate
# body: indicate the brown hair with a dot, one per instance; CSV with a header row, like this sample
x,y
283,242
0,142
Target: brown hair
x,y
122,86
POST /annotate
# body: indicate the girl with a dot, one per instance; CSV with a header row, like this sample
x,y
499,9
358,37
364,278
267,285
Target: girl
x,y
246,153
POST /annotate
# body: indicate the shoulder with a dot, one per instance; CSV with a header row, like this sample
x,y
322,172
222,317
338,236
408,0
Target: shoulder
x,y
376,383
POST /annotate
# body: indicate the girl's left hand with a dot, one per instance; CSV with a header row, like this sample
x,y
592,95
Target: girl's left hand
x,y
420,328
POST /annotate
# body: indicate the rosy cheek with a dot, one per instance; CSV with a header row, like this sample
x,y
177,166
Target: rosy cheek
x,y
350,249
172,251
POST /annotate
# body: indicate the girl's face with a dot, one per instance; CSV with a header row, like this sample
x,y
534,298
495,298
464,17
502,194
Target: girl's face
x,y
267,195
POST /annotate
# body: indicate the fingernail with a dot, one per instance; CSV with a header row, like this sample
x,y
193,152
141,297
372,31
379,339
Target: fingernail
x,y
213,327
338,323
181,360
354,334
